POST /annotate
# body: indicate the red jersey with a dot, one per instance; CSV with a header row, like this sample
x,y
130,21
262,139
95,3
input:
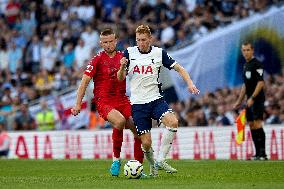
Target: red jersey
x,y
13,9
103,69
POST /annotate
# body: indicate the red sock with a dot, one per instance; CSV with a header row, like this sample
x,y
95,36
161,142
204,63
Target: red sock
x,y
138,153
117,138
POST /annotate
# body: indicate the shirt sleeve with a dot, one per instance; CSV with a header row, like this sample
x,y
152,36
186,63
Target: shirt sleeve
x,y
167,61
259,71
91,67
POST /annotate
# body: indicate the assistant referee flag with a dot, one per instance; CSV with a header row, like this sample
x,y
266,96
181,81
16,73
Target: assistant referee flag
x,y
241,123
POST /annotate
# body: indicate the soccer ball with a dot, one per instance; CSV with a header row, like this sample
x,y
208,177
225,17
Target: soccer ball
x,y
133,169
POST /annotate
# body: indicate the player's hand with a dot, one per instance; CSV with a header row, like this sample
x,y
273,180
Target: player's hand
x,y
123,62
75,110
250,102
193,89
237,105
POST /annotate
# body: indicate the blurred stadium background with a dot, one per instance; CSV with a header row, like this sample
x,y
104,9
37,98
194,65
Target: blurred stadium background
x,y
46,44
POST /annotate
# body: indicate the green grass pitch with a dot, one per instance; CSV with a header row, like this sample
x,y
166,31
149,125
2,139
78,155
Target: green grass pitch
x,y
36,174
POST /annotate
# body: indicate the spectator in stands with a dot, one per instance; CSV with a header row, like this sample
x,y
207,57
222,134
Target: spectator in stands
x,y
62,78
48,54
82,54
274,117
23,119
43,82
11,12
91,37
45,118
5,141
6,98
3,54
69,56
15,56
33,56
26,23
222,119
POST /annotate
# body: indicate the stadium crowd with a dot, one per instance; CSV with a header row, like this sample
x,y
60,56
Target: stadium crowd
x,y
45,45
216,108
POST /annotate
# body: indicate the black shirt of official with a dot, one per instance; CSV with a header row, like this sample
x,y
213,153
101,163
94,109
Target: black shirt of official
x,y
252,73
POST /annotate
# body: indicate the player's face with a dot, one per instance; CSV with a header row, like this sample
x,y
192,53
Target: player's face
x,y
108,43
143,41
247,51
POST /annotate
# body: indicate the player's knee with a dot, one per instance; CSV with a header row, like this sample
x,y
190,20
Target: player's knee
x,y
120,123
173,123
146,144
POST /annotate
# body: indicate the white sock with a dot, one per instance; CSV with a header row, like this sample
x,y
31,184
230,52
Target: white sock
x,y
149,156
166,143
115,158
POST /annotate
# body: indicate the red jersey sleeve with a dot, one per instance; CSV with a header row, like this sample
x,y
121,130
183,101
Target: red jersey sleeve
x,y
92,66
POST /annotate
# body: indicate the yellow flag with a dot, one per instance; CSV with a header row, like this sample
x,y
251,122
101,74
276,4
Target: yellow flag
x,y
241,123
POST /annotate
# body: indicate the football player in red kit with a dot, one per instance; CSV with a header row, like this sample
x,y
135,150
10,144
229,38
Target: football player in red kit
x,y
109,96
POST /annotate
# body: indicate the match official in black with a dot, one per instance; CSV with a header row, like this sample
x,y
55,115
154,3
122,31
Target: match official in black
x,y
253,88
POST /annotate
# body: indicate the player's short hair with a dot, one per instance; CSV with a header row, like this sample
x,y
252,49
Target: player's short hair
x,y
248,43
143,29
107,31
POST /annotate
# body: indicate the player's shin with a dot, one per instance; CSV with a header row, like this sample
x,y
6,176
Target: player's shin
x,y
166,143
149,155
138,153
117,138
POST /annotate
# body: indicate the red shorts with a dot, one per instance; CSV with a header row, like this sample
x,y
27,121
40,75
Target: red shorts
x,y
105,107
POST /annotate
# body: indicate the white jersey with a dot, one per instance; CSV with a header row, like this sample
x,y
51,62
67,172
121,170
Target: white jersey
x,y
143,71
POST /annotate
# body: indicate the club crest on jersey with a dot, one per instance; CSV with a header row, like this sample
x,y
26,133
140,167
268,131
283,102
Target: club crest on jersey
x,y
143,69
248,75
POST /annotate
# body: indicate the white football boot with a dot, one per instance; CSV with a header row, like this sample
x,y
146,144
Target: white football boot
x,y
165,166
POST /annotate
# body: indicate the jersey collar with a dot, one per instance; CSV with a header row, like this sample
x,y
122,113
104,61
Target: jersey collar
x,y
145,52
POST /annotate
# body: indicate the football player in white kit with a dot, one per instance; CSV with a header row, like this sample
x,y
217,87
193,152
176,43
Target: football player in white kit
x,y
142,65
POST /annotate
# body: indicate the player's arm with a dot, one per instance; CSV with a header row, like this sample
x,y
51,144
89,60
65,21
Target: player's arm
x,y
80,94
259,86
170,63
186,77
121,74
89,73
241,97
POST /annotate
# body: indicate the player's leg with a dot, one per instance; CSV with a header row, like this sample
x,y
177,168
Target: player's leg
x,y
143,122
255,140
171,124
138,152
148,152
249,117
126,111
116,119
254,116
260,137
168,118
258,110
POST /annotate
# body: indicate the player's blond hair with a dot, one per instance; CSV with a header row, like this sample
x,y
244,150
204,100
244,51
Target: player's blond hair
x,y
143,29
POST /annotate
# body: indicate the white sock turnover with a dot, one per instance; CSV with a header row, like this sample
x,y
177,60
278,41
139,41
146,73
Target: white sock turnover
x,y
166,143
